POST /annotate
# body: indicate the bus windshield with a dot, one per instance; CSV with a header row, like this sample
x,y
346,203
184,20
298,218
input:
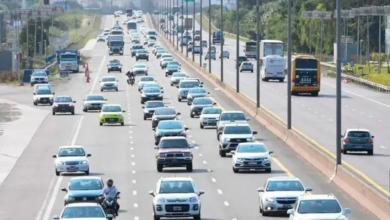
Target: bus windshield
x,y
306,72
132,25
250,46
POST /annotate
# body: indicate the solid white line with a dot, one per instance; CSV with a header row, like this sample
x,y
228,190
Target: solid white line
x,y
205,162
136,218
134,181
214,180
226,203
131,147
135,205
132,155
200,155
97,76
132,163
133,171
134,193
383,147
219,191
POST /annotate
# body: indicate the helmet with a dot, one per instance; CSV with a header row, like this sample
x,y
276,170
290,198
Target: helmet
x,y
110,182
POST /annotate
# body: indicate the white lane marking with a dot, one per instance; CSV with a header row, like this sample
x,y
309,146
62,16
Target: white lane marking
x,y
219,191
205,162
209,170
383,147
131,132
330,120
132,155
346,106
131,126
46,199
133,163
134,193
226,203
131,148
134,181
323,115
135,205
353,109
190,136
131,143
136,218
361,112
133,171
131,137
309,109
97,76
213,180
370,116
200,155
380,121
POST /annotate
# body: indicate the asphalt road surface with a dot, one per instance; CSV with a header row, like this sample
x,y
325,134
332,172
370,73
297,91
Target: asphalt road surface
x,y
126,154
316,116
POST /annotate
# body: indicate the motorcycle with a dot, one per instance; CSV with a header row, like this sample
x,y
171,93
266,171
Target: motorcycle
x,y
108,206
130,81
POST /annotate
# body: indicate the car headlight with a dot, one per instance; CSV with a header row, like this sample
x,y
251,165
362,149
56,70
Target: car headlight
x,y
143,95
162,155
161,200
249,139
267,158
187,154
226,139
240,159
160,95
84,162
193,199
269,199
70,198
60,163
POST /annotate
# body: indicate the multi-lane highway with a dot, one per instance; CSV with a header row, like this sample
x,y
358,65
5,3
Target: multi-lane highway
x,y
316,117
126,154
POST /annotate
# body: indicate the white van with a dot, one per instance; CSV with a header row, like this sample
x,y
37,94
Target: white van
x,y
273,68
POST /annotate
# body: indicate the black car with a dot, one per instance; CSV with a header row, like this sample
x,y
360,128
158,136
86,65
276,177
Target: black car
x,y
198,104
169,128
161,114
114,65
135,48
150,107
171,68
142,55
151,93
84,189
63,104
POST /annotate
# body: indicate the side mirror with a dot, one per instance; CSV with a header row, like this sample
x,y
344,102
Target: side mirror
x,y
186,128
54,93
117,80
162,91
74,101
347,211
261,189
341,136
270,152
143,106
156,147
254,132
105,99
178,113
232,152
248,119
308,189
152,193
64,190
372,136
54,156
192,145
214,103
100,81
83,99
123,110
290,212
153,129
56,217
208,93
35,94
162,87
89,155
176,87
201,192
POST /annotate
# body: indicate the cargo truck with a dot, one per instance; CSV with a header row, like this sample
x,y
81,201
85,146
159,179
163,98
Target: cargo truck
x,y
68,60
218,37
116,47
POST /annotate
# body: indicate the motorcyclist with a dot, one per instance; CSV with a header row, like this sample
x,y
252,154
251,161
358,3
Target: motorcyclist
x,y
130,75
110,191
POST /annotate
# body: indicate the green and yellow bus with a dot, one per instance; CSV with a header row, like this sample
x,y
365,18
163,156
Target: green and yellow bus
x,y
305,75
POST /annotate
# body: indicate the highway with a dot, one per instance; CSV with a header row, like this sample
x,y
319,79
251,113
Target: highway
x,y
316,116
126,154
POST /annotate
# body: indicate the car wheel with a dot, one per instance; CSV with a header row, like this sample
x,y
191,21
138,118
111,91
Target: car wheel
x,y
201,126
268,170
192,115
235,170
171,84
166,74
51,103
101,124
179,99
87,172
72,112
136,59
145,118
370,152
122,124
54,113
116,89
142,102
101,90
155,217
197,217
85,110
35,103
221,153
264,213
160,168
57,173
189,167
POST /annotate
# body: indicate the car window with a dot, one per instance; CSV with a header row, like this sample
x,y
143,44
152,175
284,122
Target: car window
x,y
151,84
152,90
197,90
165,111
85,184
71,152
147,79
189,84
82,212
233,116
201,101
154,104
292,185
358,134
170,125
95,98
139,66
319,206
179,75
212,111
63,99
111,108
176,187
39,74
253,148
109,79
237,130
174,143
43,92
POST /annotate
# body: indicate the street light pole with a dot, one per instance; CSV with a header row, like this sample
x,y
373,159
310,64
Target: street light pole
x,y
193,31
338,83
237,45
258,53
201,35
210,35
185,27
289,48
182,24
221,54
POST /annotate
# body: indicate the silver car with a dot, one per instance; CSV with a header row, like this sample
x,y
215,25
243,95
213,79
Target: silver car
x,y
230,117
176,77
209,116
198,104
196,93
71,159
252,156
140,69
225,54
39,76
85,211
93,102
143,80
232,135
279,194
184,86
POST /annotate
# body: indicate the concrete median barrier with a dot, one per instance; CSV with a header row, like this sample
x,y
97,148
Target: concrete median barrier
x,y
348,181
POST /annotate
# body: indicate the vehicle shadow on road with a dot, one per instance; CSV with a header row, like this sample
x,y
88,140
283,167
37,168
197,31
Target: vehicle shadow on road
x,y
185,171
261,172
81,174
365,154
331,96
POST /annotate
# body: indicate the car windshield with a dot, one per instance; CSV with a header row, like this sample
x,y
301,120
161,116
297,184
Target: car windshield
x,y
201,101
63,99
165,111
147,79
151,84
233,117
174,143
319,206
138,47
358,134
94,98
188,84
71,152
173,66
85,184
109,79
154,104
43,92
237,130
209,111
170,125
176,187
179,75
292,185
152,90
142,51
253,148
197,90
167,59
174,63
115,62
111,108
140,66
83,212
39,74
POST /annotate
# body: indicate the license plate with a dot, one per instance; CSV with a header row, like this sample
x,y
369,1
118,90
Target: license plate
x,y
44,100
152,98
287,206
174,160
110,119
177,208
62,109
72,168
252,163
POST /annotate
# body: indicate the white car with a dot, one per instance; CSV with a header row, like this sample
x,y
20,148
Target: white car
x,y
71,159
108,83
80,211
143,80
280,194
251,156
176,77
232,135
176,196
318,207
39,76
43,95
209,116
93,102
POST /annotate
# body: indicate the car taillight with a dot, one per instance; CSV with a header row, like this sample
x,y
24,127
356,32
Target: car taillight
x,y
346,140
370,140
